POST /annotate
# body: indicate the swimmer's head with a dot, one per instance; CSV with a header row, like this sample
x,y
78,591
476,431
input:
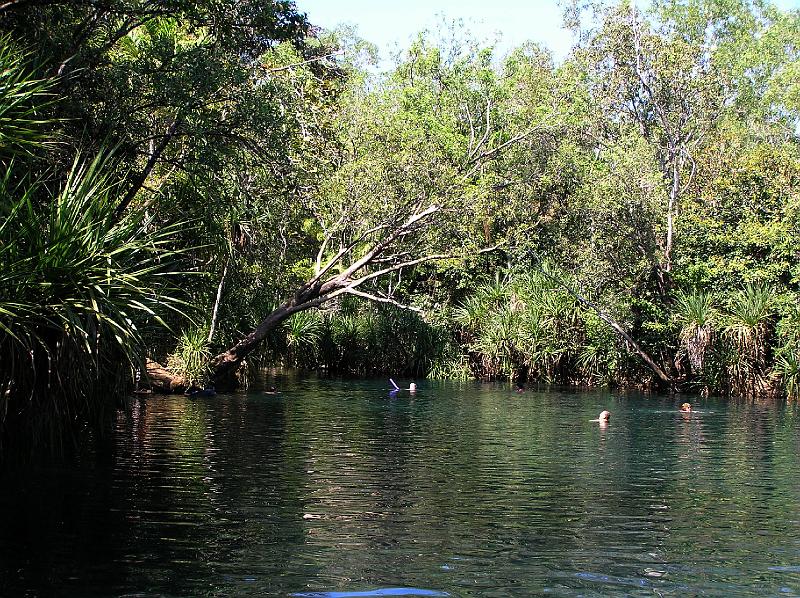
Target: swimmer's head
x,y
604,416
686,407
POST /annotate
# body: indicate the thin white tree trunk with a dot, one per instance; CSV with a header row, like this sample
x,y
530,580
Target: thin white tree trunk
x,y
217,301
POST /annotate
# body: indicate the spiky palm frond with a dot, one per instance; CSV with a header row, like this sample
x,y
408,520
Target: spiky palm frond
x,y
697,313
303,329
345,329
473,312
750,311
751,306
77,286
787,356
695,308
787,369
24,100
591,364
500,342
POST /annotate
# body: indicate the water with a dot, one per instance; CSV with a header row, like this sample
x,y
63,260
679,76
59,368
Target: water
x,y
337,489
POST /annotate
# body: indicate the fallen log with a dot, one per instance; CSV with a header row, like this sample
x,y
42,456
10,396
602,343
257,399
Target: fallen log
x,y
160,379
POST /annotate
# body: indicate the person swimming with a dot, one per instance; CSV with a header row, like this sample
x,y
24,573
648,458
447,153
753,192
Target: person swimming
x,y
603,417
412,387
686,407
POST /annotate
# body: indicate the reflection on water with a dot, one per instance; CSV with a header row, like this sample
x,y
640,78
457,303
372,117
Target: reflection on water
x,y
339,489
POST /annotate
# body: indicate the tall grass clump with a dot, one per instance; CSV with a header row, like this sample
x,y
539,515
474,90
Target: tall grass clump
x,y
191,356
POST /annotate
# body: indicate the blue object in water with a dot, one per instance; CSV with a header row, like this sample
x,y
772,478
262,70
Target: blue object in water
x,y
378,592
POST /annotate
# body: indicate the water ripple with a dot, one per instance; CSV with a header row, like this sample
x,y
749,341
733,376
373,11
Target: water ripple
x,y
336,488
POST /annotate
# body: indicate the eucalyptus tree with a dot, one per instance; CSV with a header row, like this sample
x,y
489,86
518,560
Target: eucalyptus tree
x,y
648,79
752,45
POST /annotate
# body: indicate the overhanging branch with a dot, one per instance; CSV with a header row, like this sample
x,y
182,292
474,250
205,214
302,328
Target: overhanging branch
x,y
380,299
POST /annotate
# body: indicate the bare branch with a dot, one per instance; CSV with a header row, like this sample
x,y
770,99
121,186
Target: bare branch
x,y
471,128
324,244
474,161
342,252
420,260
379,299
304,62
140,179
380,246
486,131
390,258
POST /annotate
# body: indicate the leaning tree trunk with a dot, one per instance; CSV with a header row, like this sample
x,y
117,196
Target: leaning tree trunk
x,y
629,340
355,273
310,295
225,365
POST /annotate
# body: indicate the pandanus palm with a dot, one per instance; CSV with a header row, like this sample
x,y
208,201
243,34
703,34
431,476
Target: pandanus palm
x,y
191,356
77,287
78,283
304,330
24,99
787,367
787,357
750,311
696,313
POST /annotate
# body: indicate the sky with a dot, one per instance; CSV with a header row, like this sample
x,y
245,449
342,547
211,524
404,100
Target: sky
x,y
390,24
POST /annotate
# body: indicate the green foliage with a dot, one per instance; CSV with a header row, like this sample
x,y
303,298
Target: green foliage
x,y
303,329
661,154
78,288
744,225
191,356
749,320
24,101
696,313
531,327
358,339
601,357
787,357
787,368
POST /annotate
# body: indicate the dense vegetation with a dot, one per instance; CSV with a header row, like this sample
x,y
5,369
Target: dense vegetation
x,y
189,180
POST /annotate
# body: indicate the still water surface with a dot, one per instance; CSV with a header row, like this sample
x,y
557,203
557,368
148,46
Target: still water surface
x,y
339,489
